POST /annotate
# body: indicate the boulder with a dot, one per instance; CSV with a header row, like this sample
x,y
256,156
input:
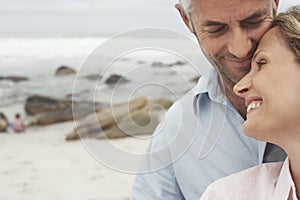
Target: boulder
x,y
14,78
195,79
78,111
90,126
164,103
139,122
178,63
138,117
114,79
41,104
158,64
64,70
3,122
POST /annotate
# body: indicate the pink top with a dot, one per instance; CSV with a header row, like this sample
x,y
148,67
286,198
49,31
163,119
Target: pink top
x,y
18,125
269,181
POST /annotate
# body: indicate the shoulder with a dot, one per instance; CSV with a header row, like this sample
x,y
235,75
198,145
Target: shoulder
x,y
267,172
249,181
180,109
176,123
174,116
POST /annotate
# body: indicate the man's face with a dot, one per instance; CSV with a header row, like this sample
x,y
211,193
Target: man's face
x,y
229,31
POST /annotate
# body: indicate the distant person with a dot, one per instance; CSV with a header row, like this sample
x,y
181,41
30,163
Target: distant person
x,y
18,125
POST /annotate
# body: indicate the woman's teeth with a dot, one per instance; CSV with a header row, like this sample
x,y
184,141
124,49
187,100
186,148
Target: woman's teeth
x,y
253,106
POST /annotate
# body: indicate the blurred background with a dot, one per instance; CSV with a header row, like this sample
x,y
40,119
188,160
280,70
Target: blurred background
x,y
47,60
77,18
45,47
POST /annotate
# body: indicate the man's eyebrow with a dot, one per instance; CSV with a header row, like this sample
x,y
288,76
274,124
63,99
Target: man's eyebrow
x,y
256,15
213,23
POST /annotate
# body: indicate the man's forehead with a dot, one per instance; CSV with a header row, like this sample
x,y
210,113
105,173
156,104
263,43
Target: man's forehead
x,y
221,10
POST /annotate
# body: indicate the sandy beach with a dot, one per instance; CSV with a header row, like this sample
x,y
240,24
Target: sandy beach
x,y
40,164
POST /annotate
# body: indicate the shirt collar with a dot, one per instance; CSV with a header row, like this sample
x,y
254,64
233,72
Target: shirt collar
x,y
261,151
210,83
285,188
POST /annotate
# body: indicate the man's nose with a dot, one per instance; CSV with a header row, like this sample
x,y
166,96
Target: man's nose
x,y
239,43
243,86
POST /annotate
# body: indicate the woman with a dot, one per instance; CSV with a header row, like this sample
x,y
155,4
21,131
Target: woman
x,y
18,125
272,95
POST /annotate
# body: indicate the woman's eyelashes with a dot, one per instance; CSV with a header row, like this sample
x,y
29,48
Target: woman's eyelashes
x,y
260,63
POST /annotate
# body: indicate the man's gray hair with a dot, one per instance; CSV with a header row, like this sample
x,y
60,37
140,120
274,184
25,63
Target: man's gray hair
x,y
186,6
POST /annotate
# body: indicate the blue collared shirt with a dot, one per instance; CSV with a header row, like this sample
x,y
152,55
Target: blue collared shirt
x,y
199,141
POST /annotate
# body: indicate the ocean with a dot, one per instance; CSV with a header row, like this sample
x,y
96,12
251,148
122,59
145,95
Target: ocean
x,y
152,72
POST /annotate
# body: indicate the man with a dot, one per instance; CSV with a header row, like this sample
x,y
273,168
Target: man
x,y
200,139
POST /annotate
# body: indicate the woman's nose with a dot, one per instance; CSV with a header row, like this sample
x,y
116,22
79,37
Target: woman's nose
x,y
243,86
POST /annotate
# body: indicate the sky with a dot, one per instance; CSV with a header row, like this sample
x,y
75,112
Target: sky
x,y
85,17
88,17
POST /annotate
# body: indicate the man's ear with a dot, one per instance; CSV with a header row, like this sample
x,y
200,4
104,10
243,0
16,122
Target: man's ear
x,y
184,17
276,2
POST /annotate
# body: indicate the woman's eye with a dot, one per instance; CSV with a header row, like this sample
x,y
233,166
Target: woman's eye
x,y
260,63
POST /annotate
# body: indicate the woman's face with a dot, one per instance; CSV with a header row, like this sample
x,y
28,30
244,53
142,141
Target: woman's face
x,y
272,91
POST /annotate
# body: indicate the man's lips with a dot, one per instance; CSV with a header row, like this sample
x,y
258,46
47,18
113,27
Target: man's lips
x,y
239,63
248,60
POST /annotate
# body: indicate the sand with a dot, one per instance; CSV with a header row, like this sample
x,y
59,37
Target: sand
x,y
41,165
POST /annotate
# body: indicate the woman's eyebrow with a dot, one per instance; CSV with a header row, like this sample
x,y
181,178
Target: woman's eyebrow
x,y
255,55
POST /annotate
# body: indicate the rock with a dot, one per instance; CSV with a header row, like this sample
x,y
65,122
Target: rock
x,y
64,70
79,111
178,63
3,122
140,122
41,104
14,78
158,64
195,80
54,117
49,110
114,79
165,103
138,117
